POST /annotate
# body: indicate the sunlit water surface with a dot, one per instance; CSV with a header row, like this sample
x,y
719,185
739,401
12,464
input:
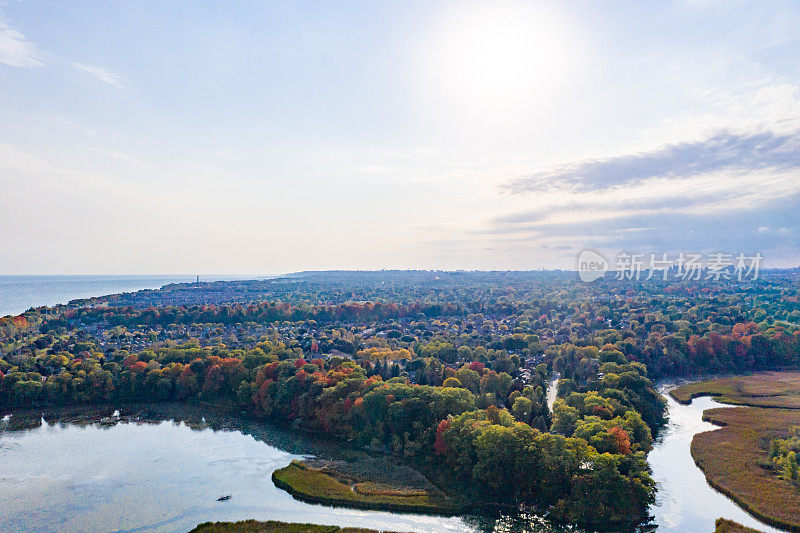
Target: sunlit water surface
x,y
552,391
167,476
685,501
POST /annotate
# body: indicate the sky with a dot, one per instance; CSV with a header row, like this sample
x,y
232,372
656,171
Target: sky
x,y
270,137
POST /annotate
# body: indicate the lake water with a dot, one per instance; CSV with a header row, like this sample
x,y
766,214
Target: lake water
x,y
20,293
167,476
158,477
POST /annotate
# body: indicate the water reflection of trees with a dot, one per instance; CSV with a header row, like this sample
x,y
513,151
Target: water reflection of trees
x,y
195,417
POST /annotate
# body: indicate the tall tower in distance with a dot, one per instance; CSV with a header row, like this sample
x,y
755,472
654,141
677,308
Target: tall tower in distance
x,y
198,278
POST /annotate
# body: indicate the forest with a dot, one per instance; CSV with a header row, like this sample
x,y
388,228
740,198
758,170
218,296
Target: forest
x,y
447,370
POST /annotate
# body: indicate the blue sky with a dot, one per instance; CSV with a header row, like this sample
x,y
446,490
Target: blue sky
x,y
265,137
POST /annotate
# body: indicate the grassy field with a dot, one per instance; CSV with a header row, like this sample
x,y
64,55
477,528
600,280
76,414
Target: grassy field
x,y
729,526
318,485
765,389
254,526
735,458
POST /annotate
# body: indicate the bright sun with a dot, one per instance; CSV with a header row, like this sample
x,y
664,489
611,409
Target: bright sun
x,y
499,55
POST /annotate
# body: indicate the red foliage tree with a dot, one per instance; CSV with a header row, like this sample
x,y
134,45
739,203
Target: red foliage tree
x,y
623,440
477,367
440,446
214,379
139,366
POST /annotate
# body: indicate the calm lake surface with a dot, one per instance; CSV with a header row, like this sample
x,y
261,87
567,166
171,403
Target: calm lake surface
x,y
166,471
167,476
20,293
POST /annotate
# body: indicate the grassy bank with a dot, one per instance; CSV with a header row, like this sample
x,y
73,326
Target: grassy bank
x,y
317,485
254,526
765,389
729,526
735,458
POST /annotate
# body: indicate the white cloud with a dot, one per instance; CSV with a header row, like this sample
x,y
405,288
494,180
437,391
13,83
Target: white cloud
x,y
103,75
16,50
125,158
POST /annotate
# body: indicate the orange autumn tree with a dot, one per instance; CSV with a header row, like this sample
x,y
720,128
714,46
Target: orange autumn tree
x,y
623,440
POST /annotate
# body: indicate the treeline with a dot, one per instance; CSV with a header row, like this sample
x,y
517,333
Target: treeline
x,y
745,347
511,461
263,313
591,468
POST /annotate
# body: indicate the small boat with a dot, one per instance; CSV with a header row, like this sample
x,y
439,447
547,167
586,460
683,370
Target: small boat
x,y
224,498
110,420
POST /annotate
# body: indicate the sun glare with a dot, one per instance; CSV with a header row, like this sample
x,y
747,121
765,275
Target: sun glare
x,y
500,55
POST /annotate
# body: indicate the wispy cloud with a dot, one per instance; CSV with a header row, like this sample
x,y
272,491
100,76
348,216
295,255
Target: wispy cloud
x,y
771,226
16,50
724,151
125,158
103,75
726,191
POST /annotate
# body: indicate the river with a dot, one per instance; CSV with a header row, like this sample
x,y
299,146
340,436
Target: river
x,y
685,501
552,391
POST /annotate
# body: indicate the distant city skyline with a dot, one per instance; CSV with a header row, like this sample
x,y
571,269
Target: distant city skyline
x,y
176,138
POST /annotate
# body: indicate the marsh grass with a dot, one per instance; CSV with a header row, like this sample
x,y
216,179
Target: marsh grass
x,y
729,526
323,485
765,389
735,457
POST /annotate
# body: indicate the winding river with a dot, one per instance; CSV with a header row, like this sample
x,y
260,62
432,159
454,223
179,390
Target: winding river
x,y
685,501
166,471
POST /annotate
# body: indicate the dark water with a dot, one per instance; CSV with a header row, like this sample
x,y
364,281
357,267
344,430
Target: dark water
x,y
20,293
